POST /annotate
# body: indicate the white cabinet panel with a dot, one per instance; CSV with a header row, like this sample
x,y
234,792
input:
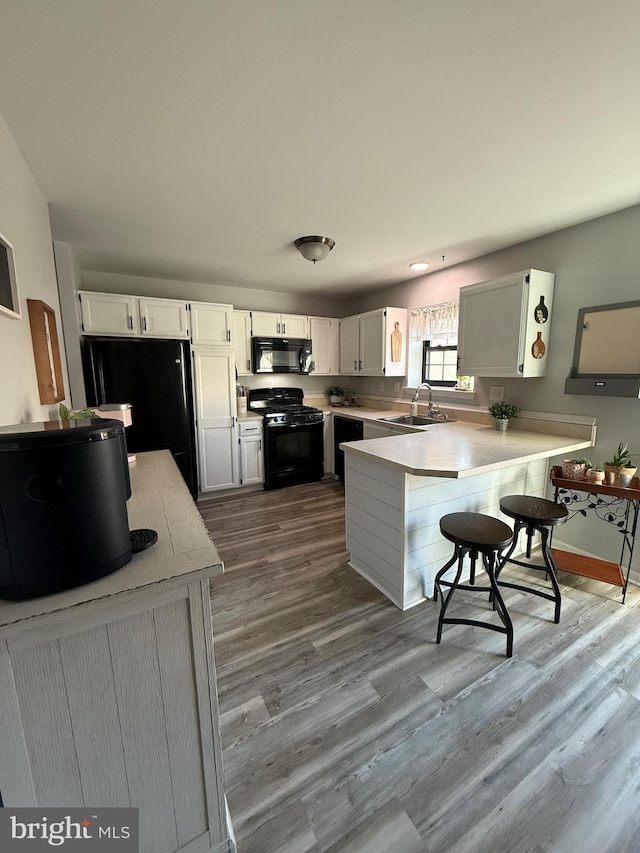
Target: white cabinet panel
x,y
251,452
241,338
295,326
349,345
211,324
164,318
251,460
270,325
109,314
325,343
374,343
504,325
214,381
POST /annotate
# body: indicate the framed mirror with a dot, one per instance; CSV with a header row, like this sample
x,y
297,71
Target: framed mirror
x,y
606,357
9,302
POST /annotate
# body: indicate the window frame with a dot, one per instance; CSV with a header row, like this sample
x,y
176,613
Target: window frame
x,y
426,348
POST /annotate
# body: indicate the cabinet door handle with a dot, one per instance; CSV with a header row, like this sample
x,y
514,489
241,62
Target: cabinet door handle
x,y
355,364
248,364
278,328
360,367
229,335
144,323
260,445
130,322
284,328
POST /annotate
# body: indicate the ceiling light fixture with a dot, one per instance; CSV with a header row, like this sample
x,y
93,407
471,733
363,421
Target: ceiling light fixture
x,y
419,265
314,248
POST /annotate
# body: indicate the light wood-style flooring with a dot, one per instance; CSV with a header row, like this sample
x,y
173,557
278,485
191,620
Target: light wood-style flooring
x,y
346,728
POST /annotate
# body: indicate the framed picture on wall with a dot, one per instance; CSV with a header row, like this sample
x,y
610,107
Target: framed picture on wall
x,y
9,302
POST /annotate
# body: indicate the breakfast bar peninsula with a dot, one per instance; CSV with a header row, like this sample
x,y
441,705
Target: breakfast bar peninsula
x,y
398,488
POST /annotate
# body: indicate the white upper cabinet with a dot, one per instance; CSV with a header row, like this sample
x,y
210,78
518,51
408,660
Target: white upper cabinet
x,y
504,325
133,316
164,318
349,345
325,344
374,343
268,325
109,314
241,338
211,324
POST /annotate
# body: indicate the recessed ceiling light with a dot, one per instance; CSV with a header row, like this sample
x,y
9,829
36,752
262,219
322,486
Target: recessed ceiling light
x,y
419,265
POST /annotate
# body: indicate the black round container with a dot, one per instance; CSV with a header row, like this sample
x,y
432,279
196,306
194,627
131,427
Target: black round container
x,y
63,515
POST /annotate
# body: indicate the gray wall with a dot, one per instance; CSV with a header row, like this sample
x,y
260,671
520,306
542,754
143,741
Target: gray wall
x,y
595,263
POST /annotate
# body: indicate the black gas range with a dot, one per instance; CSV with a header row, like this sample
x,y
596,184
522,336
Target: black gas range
x,y
293,436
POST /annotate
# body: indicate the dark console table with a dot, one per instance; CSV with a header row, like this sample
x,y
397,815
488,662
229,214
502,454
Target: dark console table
x,y
611,504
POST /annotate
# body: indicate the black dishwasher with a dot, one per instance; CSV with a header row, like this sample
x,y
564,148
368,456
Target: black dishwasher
x,y
344,429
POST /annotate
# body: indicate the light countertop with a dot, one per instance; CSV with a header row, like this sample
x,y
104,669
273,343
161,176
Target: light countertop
x,y
461,449
161,501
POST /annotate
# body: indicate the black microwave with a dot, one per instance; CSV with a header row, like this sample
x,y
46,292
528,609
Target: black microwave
x,y
281,355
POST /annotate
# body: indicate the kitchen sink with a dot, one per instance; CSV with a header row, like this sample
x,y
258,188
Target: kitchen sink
x,y
414,420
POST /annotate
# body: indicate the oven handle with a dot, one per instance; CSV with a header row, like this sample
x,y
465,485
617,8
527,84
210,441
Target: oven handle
x,y
295,426
304,363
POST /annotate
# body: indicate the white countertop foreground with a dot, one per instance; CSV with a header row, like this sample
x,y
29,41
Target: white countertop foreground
x,y
462,449
161,501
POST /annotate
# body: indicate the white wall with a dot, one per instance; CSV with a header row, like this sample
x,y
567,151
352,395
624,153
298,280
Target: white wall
x,y
24,221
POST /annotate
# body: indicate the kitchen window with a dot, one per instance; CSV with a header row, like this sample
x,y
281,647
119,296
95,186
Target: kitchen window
x,y
433,347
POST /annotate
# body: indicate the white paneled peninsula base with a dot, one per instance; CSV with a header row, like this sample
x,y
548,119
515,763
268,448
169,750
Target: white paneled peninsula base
x,y
108,691
398,488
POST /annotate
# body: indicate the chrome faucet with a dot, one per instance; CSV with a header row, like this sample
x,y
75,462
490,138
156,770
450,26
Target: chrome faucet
x,y
434,411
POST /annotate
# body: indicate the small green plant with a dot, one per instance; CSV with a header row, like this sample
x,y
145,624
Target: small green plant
x,y
336,391
583,461
503,410
66,415
621,458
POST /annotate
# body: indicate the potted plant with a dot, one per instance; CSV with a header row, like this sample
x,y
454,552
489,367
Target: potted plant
x,y
502,412
595,474
575,469
336,395
620,469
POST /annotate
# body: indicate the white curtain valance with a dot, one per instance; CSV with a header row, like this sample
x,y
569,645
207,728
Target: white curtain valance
x,y
437,323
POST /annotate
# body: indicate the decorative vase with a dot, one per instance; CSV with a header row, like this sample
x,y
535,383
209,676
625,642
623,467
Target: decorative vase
x,y
616,475
335,400
573,470
541,312
502,424
538,348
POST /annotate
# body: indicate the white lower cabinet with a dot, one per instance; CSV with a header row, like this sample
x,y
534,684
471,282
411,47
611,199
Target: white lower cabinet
x,y
215,398
251,453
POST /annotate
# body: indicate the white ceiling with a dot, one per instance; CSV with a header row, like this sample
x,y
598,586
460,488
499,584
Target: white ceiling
x,y
196,139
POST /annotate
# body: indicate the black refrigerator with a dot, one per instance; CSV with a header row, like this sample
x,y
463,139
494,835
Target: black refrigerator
x,y
155,377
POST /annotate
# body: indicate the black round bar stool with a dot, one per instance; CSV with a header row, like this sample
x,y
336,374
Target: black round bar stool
x,y
472,534
534,515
